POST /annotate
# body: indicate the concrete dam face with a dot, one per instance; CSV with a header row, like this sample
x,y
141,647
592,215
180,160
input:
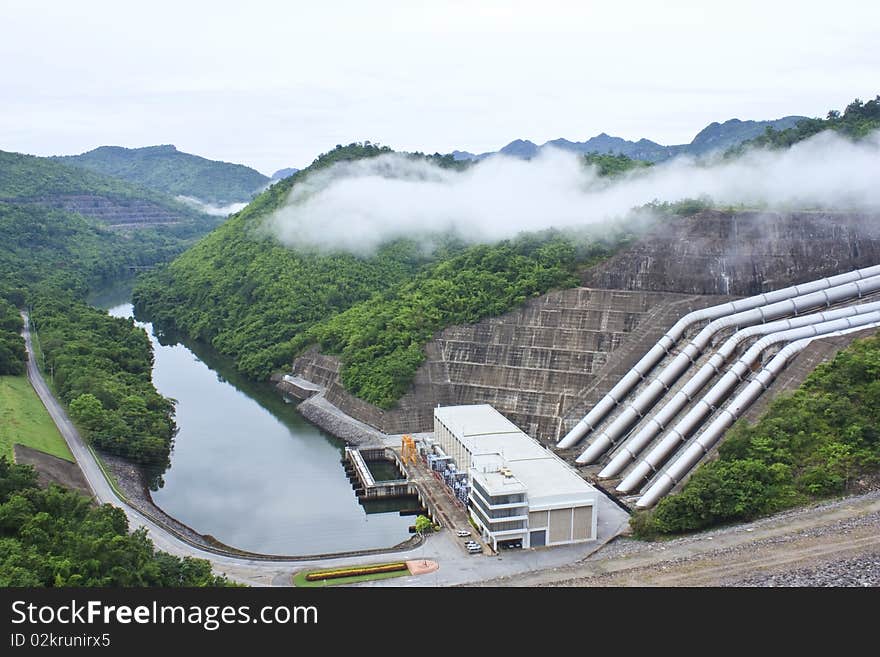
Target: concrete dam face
x,y
742,253
548,363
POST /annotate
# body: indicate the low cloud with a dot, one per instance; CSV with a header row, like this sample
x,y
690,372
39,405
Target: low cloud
x,y
356,206
210,208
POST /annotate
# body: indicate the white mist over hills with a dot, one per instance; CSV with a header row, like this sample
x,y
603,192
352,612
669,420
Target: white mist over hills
x,y
210,208
355,206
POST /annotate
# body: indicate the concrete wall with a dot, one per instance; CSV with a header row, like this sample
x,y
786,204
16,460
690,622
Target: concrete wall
x,y
742,253
534,365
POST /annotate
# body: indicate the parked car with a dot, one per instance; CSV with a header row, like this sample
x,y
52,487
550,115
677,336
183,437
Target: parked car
x,y
463,532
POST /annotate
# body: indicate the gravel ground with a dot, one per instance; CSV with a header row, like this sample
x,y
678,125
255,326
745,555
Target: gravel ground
x,y
319,411
623,545
777,548
860,571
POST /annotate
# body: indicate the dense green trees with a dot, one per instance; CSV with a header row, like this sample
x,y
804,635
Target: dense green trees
x,y
47,246
167,170
857,120
56,537
381,339
249,296
27,177
807,445
614,165
100,366
12,352
52,248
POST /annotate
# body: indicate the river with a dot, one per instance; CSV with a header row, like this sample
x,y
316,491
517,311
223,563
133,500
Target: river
x,y
246,467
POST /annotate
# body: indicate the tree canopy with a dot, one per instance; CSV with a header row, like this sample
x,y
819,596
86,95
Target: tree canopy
x,y
101,368
857,121
165,169
56,537
12,352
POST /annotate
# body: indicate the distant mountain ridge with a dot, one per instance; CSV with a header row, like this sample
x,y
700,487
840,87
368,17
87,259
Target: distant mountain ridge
x,y
283,173
714,137
165,169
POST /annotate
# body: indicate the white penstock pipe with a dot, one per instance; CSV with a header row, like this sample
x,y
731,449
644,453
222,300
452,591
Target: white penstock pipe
x,y
692,420
713,433
635,444
670,374
659,350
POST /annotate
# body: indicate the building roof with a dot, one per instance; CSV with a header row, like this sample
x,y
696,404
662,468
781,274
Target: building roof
x,y
474,419
549,480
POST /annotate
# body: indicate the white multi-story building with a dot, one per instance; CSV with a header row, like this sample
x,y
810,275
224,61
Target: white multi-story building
x,y
519,490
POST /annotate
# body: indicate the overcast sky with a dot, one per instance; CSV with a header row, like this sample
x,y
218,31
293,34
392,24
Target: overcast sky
x,y
273,84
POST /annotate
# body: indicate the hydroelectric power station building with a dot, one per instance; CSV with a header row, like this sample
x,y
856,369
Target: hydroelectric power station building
x,y
517,489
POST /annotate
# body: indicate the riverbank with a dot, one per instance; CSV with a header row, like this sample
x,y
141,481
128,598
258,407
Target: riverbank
x,y
132,483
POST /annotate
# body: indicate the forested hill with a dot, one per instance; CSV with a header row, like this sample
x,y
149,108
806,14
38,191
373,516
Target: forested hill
x,y
856,121
64,231
260,302
49,184
165,169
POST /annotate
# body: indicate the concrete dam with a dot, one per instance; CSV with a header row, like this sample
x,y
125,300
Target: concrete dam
x,y
551,362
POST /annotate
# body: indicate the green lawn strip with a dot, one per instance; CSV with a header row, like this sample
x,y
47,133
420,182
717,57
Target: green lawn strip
x,y
299,579
108,474
24,420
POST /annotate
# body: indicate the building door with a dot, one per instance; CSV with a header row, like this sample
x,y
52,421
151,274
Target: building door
x,y
538,538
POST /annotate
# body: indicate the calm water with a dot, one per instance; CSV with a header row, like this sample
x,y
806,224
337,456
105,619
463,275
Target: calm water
x,y
248,469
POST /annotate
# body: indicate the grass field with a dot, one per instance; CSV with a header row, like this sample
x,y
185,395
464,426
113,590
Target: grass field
x,y
299,579
24,420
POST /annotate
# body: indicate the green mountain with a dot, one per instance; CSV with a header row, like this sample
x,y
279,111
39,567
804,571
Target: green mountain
x,y
857,120
63,231
76,227
167,170
260,302
46,182
721,136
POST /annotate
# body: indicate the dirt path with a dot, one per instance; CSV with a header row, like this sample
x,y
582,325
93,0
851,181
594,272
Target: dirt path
x,y
52,470
772,549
